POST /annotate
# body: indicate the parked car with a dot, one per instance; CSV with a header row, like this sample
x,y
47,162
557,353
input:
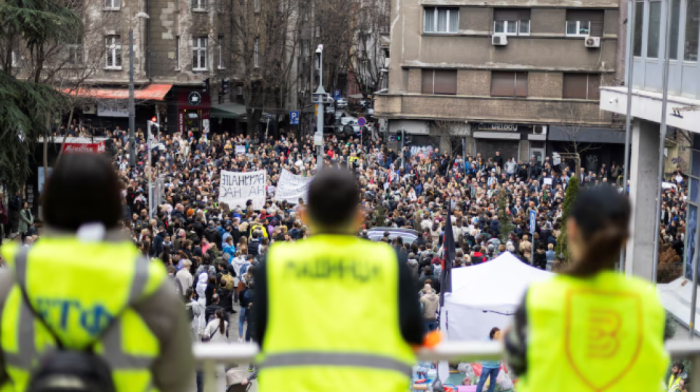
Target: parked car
x,y
408,236
342,103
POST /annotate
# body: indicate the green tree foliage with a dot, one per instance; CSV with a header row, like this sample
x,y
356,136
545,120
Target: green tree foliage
x,y
32,30
572,190
504,218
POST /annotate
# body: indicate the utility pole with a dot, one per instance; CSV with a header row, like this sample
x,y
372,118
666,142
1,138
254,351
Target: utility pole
x,y
132,108
132,105
403,136
320,95
149,142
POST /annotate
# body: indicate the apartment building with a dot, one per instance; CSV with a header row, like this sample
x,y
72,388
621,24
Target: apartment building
x,y
518,76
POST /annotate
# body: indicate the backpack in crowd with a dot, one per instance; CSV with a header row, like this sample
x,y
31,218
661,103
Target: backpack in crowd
x,y
229,281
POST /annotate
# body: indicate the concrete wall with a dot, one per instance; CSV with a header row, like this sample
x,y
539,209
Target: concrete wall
x,y
532,110
473,82
545,84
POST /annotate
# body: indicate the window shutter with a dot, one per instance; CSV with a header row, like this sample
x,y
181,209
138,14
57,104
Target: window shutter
x,y
506,14
575,86
594,16
594,87
502,84
521,84
427,81
445,82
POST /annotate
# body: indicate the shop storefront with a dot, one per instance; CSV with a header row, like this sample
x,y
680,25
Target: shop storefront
x,y
596,146
512,140
193,113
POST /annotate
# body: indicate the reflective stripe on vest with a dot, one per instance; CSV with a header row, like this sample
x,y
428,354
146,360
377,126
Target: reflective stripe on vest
x,y
311,358
111,341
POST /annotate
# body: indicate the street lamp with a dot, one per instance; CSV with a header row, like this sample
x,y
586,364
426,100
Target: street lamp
x,y
320,96
132,108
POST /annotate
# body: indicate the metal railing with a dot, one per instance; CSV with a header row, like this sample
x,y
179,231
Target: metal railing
x,y
208,355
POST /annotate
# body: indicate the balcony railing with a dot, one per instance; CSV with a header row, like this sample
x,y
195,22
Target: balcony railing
x,y
208,355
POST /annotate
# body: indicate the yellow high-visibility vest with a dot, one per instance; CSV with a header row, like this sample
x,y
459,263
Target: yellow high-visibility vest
x,y
78,287
333,318
673,382
604,333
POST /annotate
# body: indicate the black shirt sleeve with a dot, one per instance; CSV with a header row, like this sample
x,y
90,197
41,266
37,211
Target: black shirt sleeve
x,y
410,320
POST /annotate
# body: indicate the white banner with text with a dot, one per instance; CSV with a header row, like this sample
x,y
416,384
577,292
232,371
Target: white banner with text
x,y
236,189
291,187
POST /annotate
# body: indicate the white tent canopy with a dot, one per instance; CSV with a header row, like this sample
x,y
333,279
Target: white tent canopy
x,y
486,296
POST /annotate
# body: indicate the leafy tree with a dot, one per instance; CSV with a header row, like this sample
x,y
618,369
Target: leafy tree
x,y
569,199
29,29
505,220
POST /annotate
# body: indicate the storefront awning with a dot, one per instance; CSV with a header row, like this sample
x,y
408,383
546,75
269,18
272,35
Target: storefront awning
x,y
228,110
152,92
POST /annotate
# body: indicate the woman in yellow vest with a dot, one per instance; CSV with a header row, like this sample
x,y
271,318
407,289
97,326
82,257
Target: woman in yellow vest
x,y
591,328
84,291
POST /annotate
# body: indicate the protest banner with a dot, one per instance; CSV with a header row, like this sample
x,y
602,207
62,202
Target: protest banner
x,y
291,187
237,188
240,150
548,181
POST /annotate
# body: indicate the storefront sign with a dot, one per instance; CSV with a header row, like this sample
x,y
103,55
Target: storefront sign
x,y
114,109
498,127
80,148
181,122
193,100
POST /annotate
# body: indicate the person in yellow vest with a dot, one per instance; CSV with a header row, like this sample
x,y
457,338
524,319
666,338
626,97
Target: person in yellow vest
x,y
82,308
590,328
675,378
335,312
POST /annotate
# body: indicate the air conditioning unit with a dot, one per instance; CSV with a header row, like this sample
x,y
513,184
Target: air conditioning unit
x,y
499,40
592,42
539,129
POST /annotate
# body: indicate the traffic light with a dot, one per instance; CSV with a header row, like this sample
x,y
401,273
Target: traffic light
x,y
400,135
154,119
206,86
224,86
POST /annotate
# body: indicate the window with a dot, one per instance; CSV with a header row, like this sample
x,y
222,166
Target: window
x,y
256,4
75,53
199,54
440,20
582,23
113,4
256,53
582,86
221,52
114,52
509,84
692,25
439,82
638,28
199,5
177,52
654,29
511,21
675,22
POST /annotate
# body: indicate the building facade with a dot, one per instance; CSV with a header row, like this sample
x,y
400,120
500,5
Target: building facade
x,y
520,76
682,117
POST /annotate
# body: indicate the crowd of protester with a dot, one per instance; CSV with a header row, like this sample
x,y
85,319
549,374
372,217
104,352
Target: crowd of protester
x,y
211,249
